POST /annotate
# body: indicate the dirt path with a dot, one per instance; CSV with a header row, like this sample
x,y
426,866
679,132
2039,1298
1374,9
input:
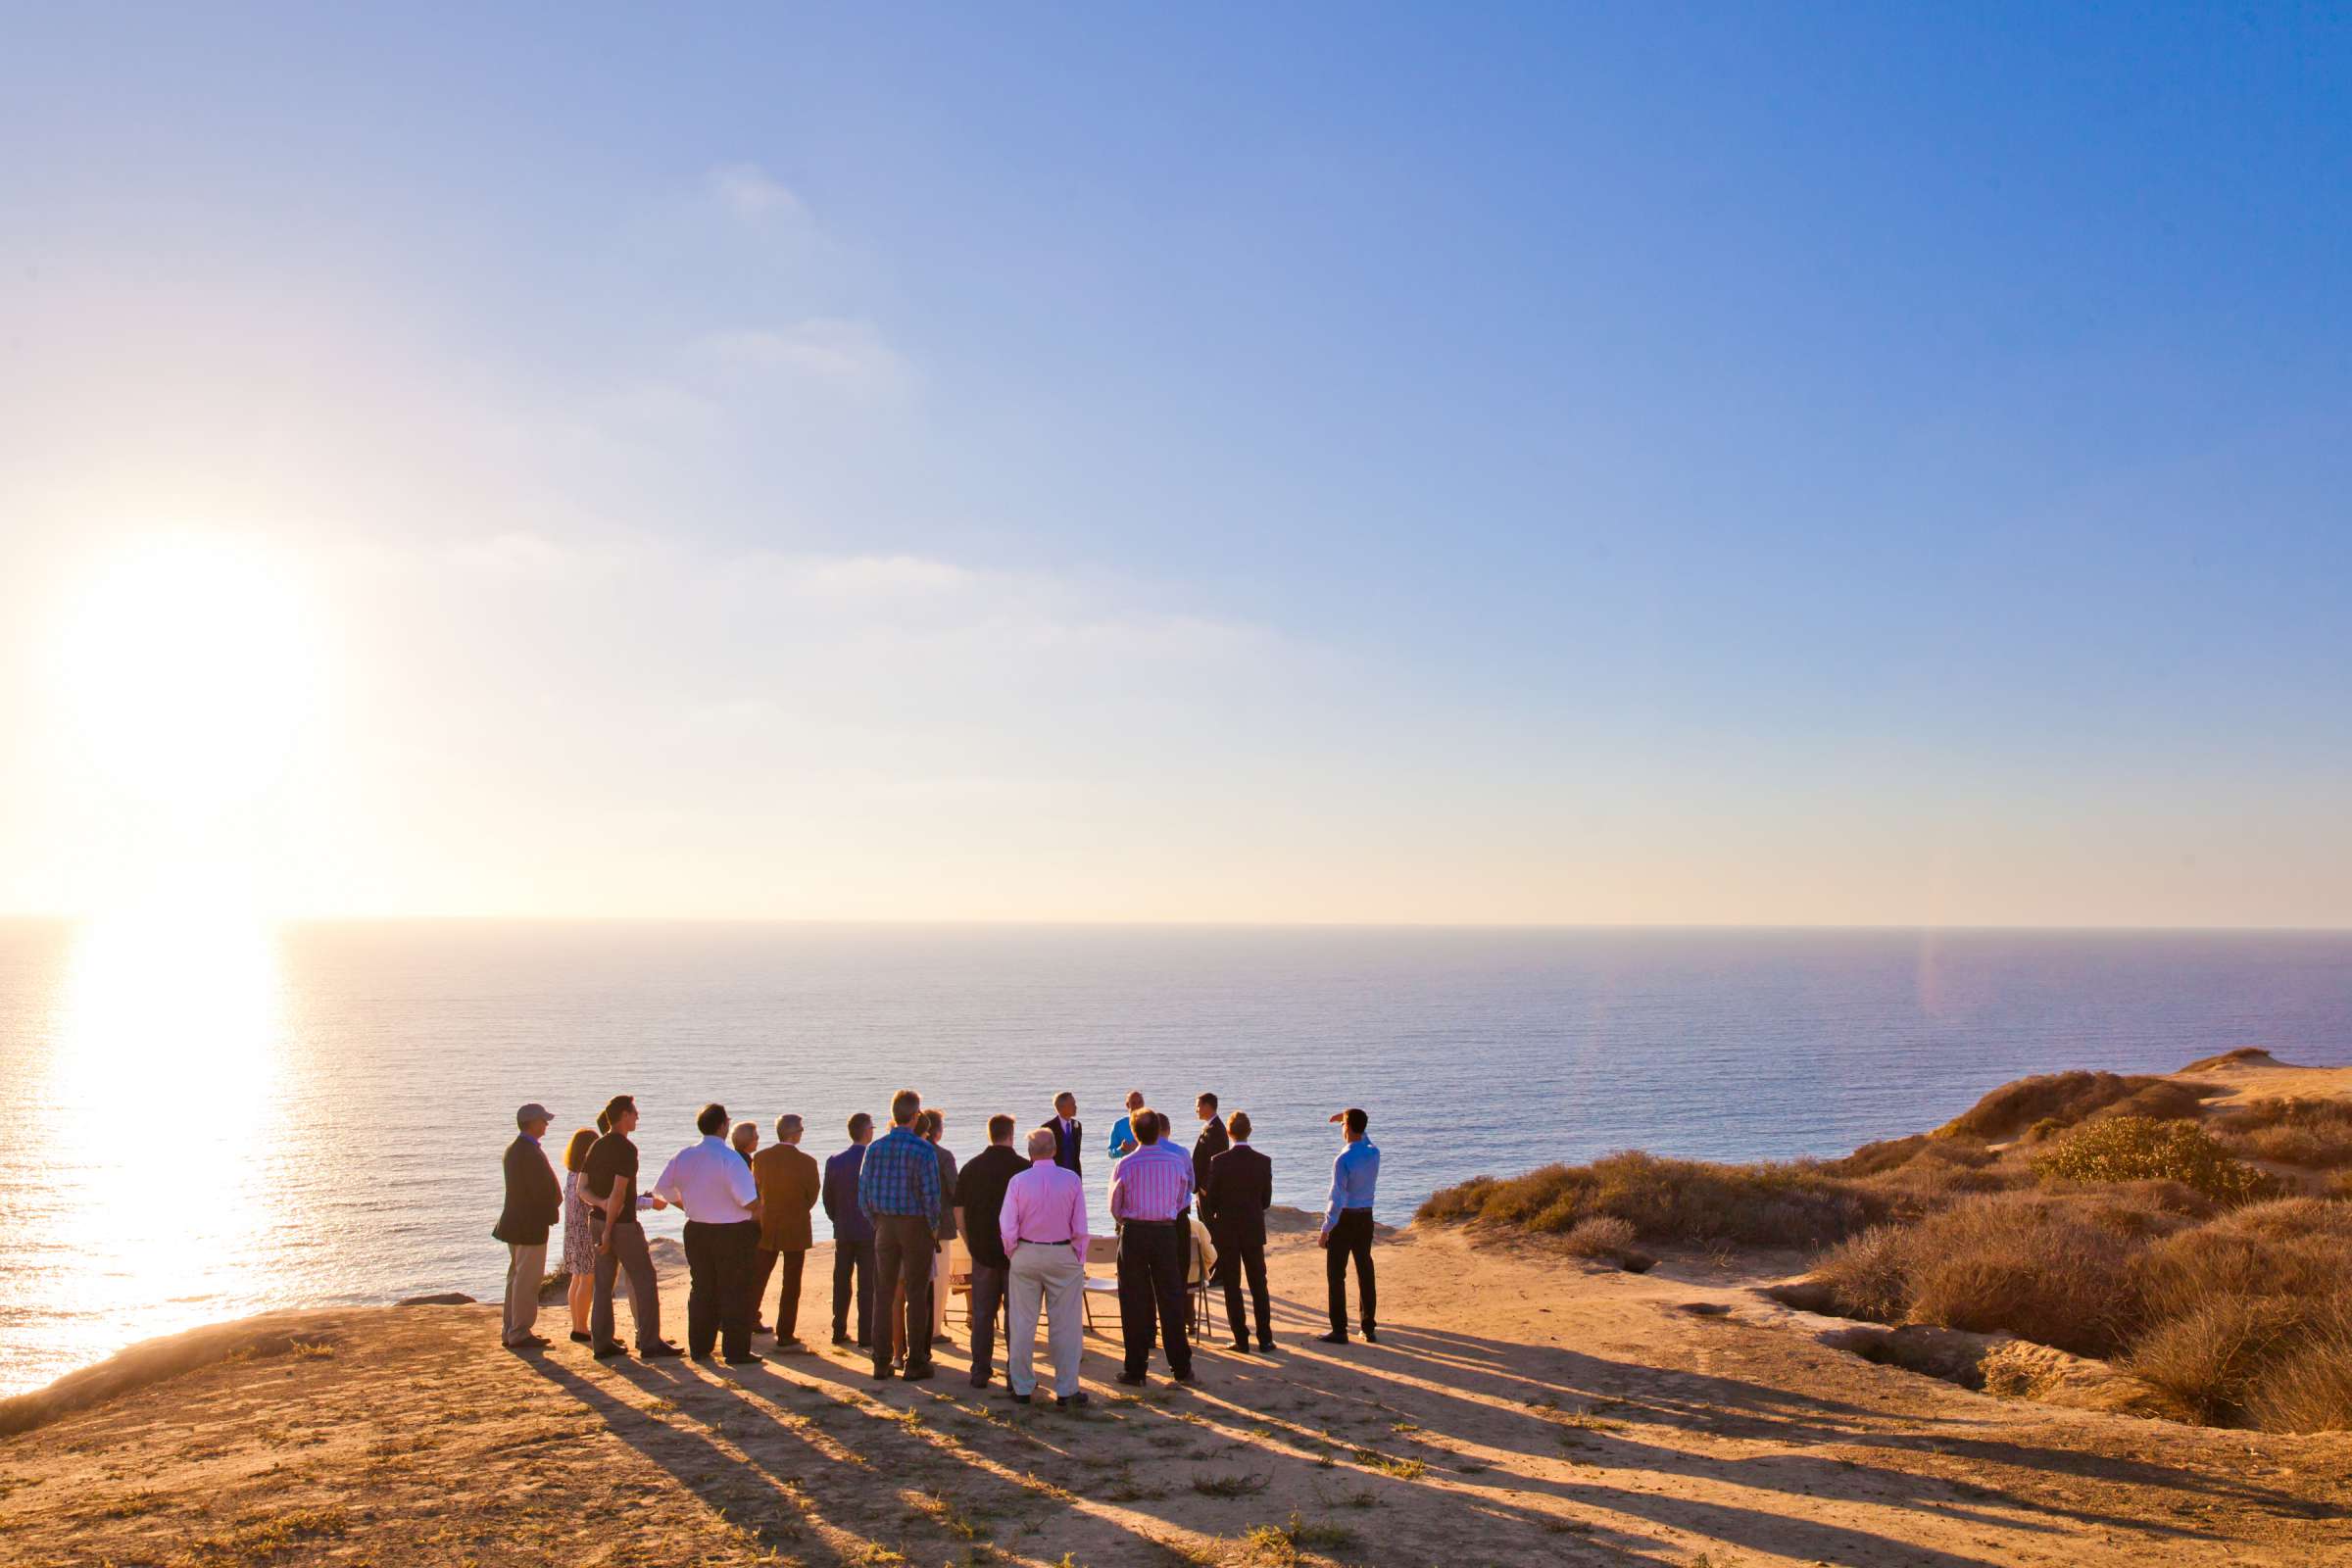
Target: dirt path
x,y
1521,1410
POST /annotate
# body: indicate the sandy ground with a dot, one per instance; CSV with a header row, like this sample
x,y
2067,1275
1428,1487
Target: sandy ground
x,y
1521,1408
2262,1078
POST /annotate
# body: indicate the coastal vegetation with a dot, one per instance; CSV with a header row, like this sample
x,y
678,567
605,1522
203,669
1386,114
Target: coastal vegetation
x,y
2203,1249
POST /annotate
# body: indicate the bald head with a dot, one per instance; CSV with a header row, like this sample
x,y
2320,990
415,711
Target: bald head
x,y
1041,1144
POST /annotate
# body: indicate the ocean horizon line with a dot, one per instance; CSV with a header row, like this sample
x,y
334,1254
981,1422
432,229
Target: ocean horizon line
x,y
982,924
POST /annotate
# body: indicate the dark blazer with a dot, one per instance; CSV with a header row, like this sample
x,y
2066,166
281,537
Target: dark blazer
x,y
534,1198
1236,1197
1211,1143
850,1223
1065,1149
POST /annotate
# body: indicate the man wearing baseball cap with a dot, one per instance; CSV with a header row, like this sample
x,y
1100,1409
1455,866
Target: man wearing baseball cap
x,y
534,1202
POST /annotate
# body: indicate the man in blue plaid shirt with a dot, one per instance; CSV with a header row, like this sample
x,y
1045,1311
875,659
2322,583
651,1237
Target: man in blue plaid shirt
x,y
897,1186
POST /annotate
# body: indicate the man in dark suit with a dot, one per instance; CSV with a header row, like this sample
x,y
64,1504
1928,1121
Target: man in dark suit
x,y
1233,1202
1069,1135
853,1237
534,1202
1211,1143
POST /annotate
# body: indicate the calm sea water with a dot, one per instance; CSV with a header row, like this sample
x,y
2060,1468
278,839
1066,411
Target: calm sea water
x,y
214,1121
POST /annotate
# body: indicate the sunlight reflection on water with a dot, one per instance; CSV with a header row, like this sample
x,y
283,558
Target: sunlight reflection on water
x,y
164,1055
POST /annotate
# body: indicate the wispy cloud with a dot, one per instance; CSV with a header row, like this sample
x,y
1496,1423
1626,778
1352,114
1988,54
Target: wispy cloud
x,y
750,193
850,354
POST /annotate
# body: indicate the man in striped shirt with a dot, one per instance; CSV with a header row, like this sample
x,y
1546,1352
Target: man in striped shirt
x,y
1151,1193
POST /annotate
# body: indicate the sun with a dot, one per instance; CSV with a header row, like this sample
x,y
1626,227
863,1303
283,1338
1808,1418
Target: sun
x,y
189,669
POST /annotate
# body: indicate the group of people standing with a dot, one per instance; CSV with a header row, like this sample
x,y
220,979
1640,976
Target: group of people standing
x,y
894,1204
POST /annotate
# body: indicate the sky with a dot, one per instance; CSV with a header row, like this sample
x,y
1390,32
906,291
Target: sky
x,y
1825,465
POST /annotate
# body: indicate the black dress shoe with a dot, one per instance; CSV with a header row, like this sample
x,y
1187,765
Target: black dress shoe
x,y
1134,1380
1370,1337
762,1328
1069,1402
1186,1378
1241,1347
843,1339
921,1374
657,1352
605,1353
883,1374
1330,1339
699,1356
1265,1346
1022,1398
577,1338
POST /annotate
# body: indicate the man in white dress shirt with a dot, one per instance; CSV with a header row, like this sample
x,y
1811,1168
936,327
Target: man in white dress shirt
x,y
713,1185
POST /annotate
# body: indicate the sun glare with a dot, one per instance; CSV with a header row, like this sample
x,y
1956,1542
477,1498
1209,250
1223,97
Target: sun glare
x,y
188,671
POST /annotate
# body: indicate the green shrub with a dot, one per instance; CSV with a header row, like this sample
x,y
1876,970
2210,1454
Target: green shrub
x,y
2130,1148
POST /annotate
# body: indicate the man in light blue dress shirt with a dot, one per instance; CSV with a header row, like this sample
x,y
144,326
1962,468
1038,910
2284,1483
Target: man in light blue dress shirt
x,y
1348,1227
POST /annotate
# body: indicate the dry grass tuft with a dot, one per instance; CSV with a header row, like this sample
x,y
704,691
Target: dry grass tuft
x,y
2024,1266
2254,1054
2314,1134
1793,1204
2062,1097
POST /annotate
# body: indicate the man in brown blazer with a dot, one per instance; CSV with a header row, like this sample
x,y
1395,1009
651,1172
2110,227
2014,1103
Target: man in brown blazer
x,y
789,1183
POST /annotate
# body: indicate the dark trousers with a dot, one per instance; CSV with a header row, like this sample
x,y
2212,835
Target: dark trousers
x,y
719,1295
788,1294
1153,1260
853,1259
1351,1237
627,1255
903,1250
988,1304
1234,1258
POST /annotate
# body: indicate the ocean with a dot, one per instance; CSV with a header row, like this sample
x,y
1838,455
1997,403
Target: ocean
x,y
211,1119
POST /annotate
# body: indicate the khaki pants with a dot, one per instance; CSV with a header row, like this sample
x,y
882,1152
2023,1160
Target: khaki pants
x,y
524,1266
1053,1275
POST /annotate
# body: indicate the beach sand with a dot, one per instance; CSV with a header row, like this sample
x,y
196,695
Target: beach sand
x,y
1521,1408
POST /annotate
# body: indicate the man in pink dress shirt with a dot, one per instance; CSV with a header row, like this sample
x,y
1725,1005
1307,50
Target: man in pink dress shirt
x,y
1151,1198
1042,1225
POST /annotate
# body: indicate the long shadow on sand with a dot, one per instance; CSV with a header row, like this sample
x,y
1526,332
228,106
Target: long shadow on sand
x,y
808,1450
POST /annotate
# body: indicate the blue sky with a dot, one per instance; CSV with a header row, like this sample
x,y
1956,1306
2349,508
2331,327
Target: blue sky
x,y
1555,462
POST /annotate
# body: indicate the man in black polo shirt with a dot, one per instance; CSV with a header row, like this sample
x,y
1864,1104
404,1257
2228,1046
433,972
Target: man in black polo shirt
x,y
980,1198
610,1179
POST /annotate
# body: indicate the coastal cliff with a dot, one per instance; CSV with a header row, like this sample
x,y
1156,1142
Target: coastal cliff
x,y
1522,1406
